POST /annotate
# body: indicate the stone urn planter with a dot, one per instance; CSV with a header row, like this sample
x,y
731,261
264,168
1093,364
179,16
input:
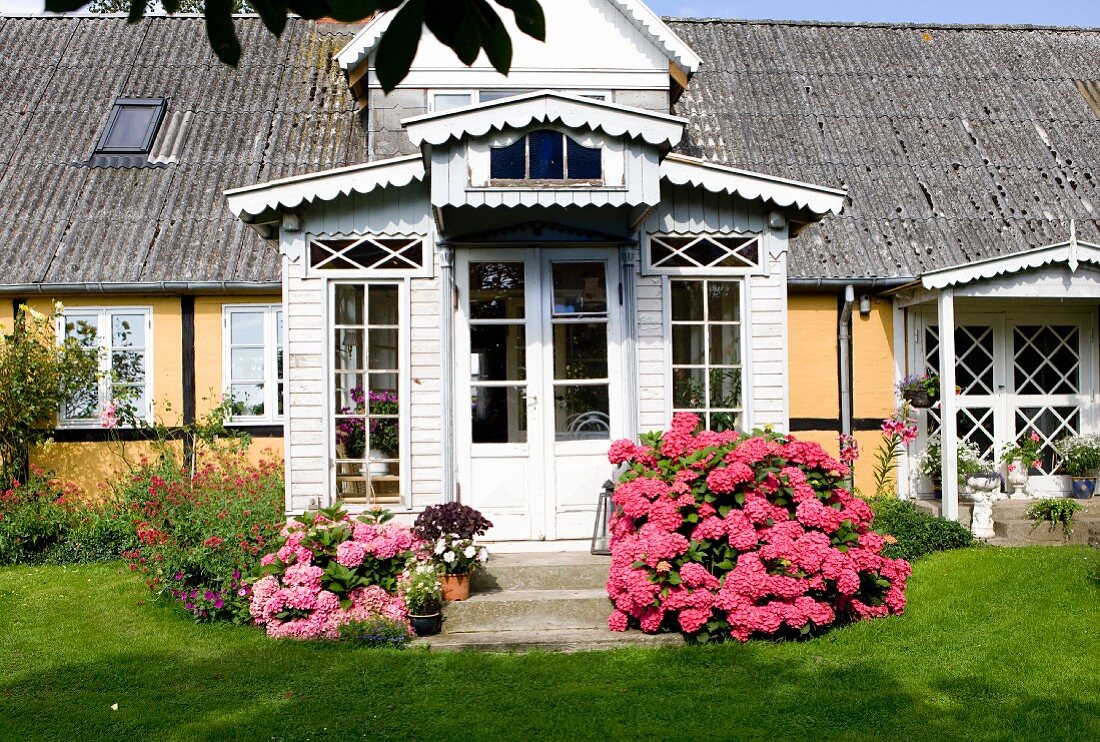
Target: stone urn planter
x,y
1017,478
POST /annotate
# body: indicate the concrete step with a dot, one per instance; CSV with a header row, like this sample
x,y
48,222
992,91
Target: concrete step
x,y
549,571
550,640
528,610
1017,509
1024,532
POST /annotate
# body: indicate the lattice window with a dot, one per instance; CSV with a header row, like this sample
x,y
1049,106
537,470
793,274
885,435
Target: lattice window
x,y
974,376
1046,359
702,253
387,255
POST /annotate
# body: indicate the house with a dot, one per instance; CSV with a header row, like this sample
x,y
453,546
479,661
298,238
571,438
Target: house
x,y
467,288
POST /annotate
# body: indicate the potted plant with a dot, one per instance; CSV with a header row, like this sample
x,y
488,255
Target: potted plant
x,y
1054,512
423,594
920,391
1079,457
449,531
1019,458
968,461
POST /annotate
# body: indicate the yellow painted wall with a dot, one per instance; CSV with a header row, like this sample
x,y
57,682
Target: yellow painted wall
x,y
812,356
873,361
89,464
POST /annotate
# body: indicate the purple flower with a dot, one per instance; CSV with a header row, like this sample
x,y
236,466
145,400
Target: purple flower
x,y
188,606
236,574
242,592
218,603
209,595
179,575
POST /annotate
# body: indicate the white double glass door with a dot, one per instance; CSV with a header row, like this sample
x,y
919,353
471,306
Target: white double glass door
x,y
1020,372
538,386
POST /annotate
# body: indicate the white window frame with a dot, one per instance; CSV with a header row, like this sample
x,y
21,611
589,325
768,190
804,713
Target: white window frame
x,y
760,268
101,315
404,391
424,270
745,364
272,343
475,94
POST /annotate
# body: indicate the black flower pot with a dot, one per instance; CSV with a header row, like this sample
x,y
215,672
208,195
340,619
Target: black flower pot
x,y
427,625
919,398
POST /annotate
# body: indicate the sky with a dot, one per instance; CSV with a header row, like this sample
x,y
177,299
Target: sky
x,y
1051,12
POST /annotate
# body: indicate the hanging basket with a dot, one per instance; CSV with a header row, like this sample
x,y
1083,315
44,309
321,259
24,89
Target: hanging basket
x,y
919,398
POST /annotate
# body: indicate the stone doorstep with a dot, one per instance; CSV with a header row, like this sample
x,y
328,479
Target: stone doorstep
x,y
553,571
1024,532
523,610
550,640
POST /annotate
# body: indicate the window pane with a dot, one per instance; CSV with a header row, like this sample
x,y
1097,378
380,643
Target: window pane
x,y
382,305
447,101
725,345
720,421
248,399
349,304
496,291
582,413
383,349
546,155
725,388
348,351
131,397
128,330
83,330
84,404
688,388
723,300
580,351
246,328
584,162
486,96
498,353
246,364
579,288
687,301
508,163
128,366
687,345
499,414
131,128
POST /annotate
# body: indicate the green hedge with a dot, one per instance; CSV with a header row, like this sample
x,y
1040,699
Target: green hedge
x,y
917,532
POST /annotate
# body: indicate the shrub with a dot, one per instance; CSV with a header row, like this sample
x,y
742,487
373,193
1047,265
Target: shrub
x,y
329,570
453,518
914,532
199,537
728,535
377,632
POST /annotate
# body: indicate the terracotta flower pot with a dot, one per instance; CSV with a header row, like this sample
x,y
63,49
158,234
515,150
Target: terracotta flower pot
x,y
455,587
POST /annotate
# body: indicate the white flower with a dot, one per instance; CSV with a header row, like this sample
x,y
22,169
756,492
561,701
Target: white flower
x,y
449,557
440,546
483,555
469,553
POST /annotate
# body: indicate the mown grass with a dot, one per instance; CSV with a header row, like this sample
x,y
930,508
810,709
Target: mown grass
x,y
996,644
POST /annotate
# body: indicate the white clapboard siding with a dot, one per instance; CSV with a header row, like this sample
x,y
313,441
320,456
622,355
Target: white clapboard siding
x,y
767,340
425,409
685,209
653,405
305,382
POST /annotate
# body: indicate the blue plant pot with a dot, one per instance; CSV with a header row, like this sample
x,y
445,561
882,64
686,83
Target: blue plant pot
x,y
1083,488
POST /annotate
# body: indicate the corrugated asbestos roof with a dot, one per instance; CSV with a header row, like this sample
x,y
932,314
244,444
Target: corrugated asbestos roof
x,y
286,111
955,143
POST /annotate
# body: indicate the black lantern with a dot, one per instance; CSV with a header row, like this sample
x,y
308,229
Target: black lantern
x,y
601,545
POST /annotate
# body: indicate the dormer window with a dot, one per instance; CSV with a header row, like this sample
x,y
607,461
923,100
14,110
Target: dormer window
x,y
545,155
131,127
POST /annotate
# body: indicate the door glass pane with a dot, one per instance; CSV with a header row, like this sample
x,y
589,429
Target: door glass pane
x,y
725,345
348,351
383,349
582,412
498,352
688,388
499,414
723,301
579,288
496,290
1046,359
580,351
382,302
725,388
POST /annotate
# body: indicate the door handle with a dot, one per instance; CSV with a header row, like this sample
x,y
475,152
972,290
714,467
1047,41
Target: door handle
x,y
532,400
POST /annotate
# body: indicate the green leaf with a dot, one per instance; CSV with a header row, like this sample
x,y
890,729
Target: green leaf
x,y
65,6
492,34
272,13
220,30
399,43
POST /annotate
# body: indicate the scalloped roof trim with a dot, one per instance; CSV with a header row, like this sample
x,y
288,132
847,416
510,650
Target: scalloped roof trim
x,y
684,170
326,185
1072,253
545,106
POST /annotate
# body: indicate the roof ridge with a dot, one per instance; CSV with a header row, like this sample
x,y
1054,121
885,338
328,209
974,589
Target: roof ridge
x,y
939,25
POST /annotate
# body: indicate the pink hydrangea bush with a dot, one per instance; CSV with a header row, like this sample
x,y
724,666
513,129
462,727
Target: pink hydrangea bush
x,y
330,570
721,535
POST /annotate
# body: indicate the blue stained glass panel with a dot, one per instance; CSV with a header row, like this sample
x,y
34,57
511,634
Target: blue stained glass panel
x,y
584,162
507,163
547,160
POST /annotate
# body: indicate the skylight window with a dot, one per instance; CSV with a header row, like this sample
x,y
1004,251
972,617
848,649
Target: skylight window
x,y
132,126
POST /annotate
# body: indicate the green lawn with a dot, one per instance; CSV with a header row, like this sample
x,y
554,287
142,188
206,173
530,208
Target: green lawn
x,y
996,644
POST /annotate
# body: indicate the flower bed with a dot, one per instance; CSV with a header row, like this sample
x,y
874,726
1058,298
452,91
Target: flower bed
x,y
331,570
724,535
